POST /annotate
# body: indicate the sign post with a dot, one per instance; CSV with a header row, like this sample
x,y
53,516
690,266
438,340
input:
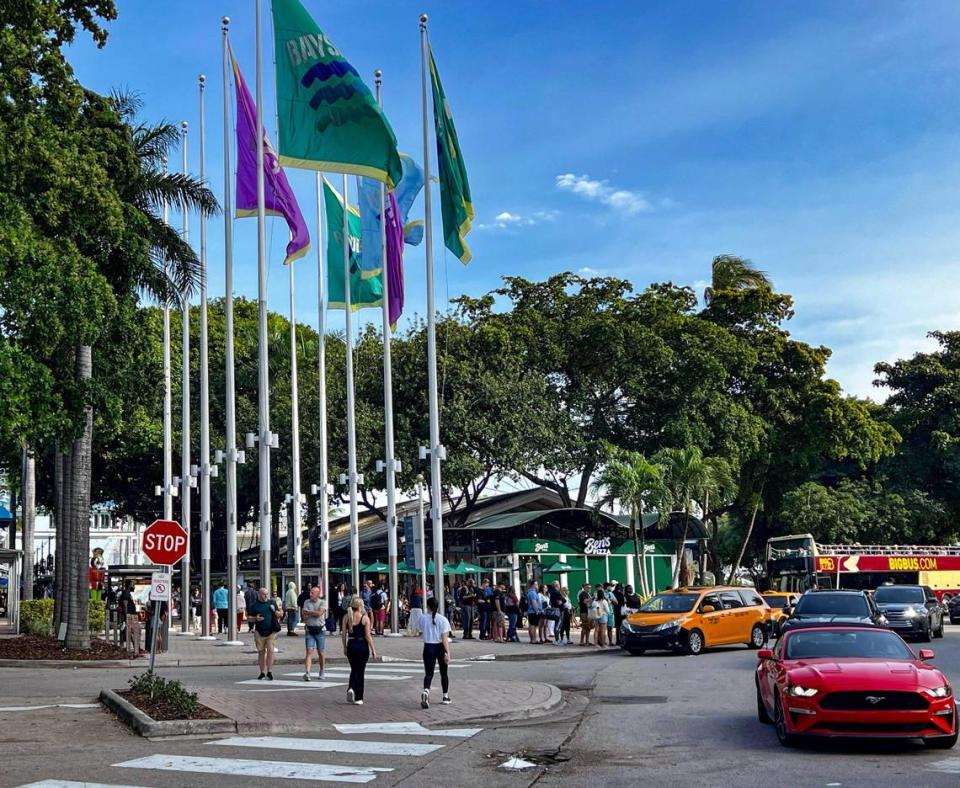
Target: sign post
x,y
165,543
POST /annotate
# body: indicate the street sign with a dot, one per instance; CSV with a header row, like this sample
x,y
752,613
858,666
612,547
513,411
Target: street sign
x,y
160,583
410,548
164,542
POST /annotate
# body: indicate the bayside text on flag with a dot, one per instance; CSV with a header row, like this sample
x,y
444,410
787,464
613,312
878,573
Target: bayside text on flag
x,y
328,118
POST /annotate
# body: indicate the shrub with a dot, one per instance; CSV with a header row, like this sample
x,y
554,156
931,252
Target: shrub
x,y
168,691
36,616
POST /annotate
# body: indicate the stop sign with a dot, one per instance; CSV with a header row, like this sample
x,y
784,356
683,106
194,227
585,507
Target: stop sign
x,y
164,542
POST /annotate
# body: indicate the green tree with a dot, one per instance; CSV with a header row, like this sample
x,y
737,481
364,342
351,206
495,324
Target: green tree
x,y
729,272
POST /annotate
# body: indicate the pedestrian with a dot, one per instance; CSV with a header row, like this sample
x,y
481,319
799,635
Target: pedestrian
x,y
544,617
358,647
599,610
241,607
468,598
533,612
302,597
250,597
157,637
556,609
221,603
583,608
128,604
436,651
366,593
512,608
496,614
619,599
611,615
566,613
315,638
378,610
290,609
416,611
266,615
631,602
195,603
483,608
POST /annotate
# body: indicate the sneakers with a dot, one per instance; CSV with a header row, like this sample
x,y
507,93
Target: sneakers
x,y
269,676
306,677
425,699
321,677
358,703
350,696
261,677
446,699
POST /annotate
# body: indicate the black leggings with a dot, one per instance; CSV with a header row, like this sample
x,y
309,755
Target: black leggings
x,y
564,624
433,653
358,654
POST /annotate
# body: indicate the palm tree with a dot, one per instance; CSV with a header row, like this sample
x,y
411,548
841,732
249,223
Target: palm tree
x,y
734,273
163,267
637,483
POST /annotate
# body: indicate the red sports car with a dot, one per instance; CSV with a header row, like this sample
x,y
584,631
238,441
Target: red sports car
x,y
853,681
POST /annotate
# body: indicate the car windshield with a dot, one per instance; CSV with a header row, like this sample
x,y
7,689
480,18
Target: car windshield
x,y
902,596
820,604
670,603
863,643
776,601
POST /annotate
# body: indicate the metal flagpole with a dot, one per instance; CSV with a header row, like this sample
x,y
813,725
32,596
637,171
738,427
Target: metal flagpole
x,y
435,450
230,404
351,405
422,554
263,394
167,396
294,532
389,462
186,480
324,490
205,470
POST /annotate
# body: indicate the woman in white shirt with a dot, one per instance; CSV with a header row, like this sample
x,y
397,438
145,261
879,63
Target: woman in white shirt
x,y
436,650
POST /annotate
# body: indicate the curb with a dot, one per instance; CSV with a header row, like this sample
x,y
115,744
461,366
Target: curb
x,y
541,709
150,728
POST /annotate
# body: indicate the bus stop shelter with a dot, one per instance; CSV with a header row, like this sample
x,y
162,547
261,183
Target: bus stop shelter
x,y
10,594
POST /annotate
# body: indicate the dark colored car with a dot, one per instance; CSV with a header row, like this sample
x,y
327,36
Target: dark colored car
x,y
853,681
837,608
953,608
912,611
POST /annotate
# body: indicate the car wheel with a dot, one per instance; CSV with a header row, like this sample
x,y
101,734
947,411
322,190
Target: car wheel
x,y
941,742
924,636
780,726
762,708
695,642
938,632
758,636
637,652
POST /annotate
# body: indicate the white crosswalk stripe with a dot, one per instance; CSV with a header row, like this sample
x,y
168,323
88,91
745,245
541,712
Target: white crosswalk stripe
x,y
315,684
285,770
330,745
73,784
404,729
344,674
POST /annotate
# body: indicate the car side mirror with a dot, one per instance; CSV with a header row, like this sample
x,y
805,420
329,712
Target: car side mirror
x,y
788,611
764,653
926,654
707,609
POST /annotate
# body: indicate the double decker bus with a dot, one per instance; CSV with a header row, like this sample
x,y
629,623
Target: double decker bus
x,y
797,562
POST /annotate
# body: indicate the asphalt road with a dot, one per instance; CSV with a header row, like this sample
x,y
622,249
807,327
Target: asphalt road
x,y
656,720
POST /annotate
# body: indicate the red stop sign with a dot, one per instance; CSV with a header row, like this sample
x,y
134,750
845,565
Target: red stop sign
x,y
164,542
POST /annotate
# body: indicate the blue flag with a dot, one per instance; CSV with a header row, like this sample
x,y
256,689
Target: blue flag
x,y
409,186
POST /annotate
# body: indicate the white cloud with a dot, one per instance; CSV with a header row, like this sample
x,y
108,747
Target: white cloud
x,y
623,200
505,220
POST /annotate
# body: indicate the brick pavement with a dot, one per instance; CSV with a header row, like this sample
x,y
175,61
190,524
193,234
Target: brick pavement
x,y
316,710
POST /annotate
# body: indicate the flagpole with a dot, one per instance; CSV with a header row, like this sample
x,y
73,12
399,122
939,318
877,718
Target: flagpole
x,y
167,396
351,404
435,450
294,534
204,394
389,460
230,394
263,394
185,476
324,491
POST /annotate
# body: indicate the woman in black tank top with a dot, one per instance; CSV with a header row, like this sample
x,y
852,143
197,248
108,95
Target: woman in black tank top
x,y
357,647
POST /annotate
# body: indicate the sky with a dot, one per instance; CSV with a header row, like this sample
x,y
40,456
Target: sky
x,y
636,140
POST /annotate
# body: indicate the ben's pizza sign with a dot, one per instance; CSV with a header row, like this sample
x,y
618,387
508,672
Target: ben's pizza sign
x,y
887,563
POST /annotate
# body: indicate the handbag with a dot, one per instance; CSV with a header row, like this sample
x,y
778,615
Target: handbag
x,y
275,622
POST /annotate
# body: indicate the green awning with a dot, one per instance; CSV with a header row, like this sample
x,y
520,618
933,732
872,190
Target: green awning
x,y
465,567
376,566
562,566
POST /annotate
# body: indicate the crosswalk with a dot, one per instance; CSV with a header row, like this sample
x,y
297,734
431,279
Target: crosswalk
x,y
334,676
292,758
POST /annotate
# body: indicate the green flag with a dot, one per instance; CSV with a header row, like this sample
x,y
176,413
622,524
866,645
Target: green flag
x,y
455,199
328,118
363,292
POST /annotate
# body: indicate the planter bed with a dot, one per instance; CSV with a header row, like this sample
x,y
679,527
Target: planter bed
x,y
40,647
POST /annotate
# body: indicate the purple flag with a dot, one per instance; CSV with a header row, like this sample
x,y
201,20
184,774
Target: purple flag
x,y
394,260
279,199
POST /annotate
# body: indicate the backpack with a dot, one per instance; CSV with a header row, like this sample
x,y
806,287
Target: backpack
x,y
376,601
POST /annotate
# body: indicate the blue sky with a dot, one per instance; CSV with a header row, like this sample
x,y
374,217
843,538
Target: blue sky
x,y
638,140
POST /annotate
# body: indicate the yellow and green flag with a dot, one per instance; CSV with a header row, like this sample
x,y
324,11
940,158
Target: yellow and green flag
x,y
364,292
455,202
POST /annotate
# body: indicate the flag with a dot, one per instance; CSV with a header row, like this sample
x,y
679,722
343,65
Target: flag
x,y
363,292
329,119
279,199
394,261
455,200
411,182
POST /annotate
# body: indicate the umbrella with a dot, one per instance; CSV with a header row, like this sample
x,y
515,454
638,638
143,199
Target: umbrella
x,y
561,566
376,566
465,567
448,569
346,570
405,569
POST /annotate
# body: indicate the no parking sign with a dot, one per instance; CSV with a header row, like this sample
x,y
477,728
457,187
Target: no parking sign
x,y
160,587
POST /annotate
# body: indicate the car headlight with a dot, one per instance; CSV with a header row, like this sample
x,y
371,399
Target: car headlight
x,y
909,613
802,692
667,625
940,692
626,626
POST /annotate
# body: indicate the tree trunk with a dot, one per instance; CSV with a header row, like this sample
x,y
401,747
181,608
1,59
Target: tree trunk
x,y
68,562
12,540
585,484
29,518
746,541
78,635
58,582
638,552
680,546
